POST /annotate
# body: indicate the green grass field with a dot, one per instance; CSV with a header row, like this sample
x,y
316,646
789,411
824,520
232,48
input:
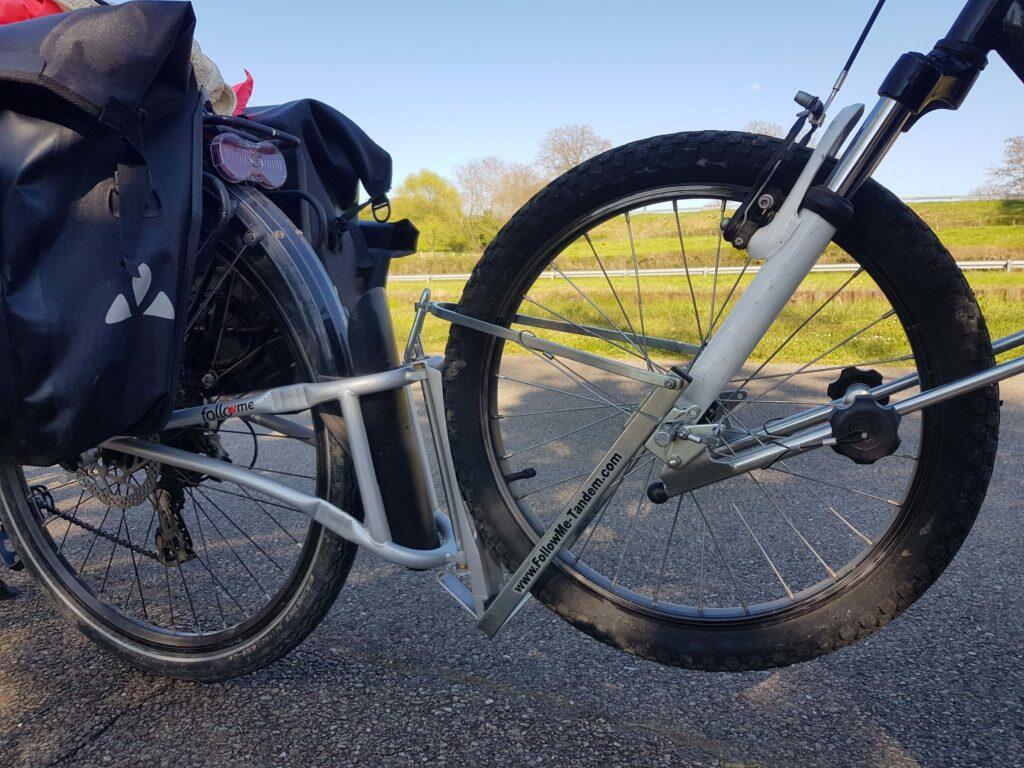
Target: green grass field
x,y
971,230
668,312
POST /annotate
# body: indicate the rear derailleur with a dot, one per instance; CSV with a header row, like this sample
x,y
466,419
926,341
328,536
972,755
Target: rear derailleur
x,y
172,539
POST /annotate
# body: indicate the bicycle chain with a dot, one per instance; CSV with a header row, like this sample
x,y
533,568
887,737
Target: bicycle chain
x,y
44,501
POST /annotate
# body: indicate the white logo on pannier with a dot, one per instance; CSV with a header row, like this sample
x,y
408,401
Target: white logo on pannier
x,y
160,306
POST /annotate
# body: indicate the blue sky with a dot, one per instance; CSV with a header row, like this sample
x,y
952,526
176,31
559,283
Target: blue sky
x,y
437,83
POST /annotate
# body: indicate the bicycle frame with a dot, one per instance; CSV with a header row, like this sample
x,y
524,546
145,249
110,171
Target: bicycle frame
x,y
460,550
789,247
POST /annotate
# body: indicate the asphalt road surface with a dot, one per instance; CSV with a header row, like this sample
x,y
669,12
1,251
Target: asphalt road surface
x,y
398,676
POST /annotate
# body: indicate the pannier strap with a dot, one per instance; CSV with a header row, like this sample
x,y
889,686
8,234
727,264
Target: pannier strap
x,y
134,185
127,121
132,179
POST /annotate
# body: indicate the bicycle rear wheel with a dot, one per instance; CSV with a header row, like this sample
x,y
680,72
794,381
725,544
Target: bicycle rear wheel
x,y
181,574
765,569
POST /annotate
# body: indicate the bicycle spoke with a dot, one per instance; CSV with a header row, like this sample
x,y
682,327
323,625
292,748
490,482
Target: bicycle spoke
x,y
241,496
604,504
170,597
551,485
615,293
700,582
74,518
249,356
851,337
686,268
632,525
582,381
790,523
559,437
583,331
113,549
721,554
800,327
890,502
760,546
714,284
93,542
639,295
200,508
811,490
188,596
809,371
558,411
607,319
267,513
138,581
206,552
214,292
237,528
732,290
668,545
503,377
223,321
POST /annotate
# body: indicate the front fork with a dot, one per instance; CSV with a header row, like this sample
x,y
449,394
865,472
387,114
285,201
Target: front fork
x,y
789,247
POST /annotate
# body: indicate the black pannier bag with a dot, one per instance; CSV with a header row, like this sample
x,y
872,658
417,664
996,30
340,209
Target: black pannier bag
x,y
334,159
324,174
100,174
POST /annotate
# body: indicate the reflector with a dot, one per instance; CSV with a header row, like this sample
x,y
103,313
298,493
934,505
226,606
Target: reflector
x,y
237,159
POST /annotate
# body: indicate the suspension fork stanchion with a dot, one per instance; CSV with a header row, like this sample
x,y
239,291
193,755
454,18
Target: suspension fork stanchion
x,y
789,246
580,510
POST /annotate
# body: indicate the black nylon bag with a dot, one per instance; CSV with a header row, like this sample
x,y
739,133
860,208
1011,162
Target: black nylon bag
x,y
100,174
335,157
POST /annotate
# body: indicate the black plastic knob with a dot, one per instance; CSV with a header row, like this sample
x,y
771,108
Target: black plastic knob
x,y
865,430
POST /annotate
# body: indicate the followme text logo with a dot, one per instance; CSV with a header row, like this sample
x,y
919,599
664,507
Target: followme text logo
x,y
160,306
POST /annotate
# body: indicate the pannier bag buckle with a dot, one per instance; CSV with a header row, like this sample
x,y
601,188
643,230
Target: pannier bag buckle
x,y
126,120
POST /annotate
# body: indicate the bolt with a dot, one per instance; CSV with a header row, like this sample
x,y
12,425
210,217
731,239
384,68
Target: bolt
x,y
249,237
692,413
663,437
209,380
279,234
765,201
675,462
739,242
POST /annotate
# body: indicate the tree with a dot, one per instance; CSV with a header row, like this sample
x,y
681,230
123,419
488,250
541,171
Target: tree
x,y
765,128
495,189
518,183
567,146
435,207
1008,178
478,181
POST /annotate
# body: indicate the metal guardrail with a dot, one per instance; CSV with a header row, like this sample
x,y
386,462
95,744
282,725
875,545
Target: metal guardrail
x,y
982,265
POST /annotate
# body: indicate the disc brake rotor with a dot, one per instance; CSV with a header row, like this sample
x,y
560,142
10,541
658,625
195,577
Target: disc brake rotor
x,y
118,480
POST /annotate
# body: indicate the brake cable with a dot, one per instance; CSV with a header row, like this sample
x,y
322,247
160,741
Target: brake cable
x,y
739,228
